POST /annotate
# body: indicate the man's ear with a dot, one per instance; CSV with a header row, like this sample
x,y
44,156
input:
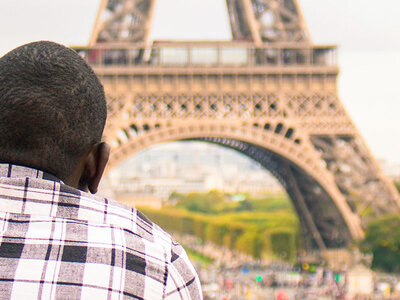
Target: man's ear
x,y
95,164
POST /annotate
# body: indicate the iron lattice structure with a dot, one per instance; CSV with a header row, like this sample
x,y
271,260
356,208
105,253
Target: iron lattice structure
x,y
270,94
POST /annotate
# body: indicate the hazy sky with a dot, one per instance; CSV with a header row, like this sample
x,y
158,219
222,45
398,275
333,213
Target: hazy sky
x,y
367,32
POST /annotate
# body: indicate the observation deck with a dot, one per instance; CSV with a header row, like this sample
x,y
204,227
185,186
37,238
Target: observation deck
x,y
211,55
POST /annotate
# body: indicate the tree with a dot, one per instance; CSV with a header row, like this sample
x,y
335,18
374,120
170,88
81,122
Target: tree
x,y
244,205
397,184
382,239
207,203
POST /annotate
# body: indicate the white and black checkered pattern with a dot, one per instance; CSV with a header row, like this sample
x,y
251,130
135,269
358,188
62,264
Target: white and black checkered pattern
x,y
57,242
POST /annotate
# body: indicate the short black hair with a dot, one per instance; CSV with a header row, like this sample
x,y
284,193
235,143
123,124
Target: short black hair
x,y
52,107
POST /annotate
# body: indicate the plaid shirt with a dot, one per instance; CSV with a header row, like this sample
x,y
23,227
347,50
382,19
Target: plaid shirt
x,y
60,243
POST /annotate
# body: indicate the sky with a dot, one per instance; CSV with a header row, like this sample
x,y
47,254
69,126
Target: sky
x,y
366,31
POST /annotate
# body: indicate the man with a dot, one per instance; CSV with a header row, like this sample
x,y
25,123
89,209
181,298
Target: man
x,y
57,240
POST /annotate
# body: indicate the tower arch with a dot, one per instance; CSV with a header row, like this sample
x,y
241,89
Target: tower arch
x,y
277,150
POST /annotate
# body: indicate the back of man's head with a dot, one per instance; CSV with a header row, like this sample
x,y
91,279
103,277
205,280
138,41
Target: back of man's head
x,y
52,108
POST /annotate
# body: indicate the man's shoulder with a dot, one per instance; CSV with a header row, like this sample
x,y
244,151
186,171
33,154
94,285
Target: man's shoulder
x,y
179,278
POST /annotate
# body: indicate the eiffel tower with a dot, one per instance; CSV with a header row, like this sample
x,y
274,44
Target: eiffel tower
x,y
270,93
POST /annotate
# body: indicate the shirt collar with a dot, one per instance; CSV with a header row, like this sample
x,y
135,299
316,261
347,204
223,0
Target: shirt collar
x,y
17,171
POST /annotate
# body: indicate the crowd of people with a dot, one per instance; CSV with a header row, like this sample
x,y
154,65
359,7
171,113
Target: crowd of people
x,y
232,275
